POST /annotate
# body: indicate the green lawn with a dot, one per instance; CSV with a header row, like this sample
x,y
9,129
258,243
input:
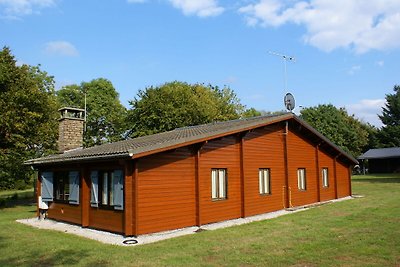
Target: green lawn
x,y
359,232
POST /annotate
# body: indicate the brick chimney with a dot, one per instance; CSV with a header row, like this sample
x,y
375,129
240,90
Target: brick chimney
x,y
70,128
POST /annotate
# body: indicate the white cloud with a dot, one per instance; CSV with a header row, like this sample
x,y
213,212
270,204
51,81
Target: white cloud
x,y
355,24
14,9
380,63
201,8
61,48
354,69
368,110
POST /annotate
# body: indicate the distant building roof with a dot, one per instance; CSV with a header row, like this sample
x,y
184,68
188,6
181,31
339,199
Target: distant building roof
x,y
151,144
381,153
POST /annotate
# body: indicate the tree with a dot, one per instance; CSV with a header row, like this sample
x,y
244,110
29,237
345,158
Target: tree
x,y
338,126
28,118
251,112
389,134
178,104
106,116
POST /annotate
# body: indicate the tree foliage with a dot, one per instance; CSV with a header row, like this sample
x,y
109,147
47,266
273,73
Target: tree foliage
x,y
178,104
106,116
251,112
28,124
338,126
389,134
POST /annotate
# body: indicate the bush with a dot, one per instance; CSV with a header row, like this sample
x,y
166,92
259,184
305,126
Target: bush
x,y
3,203
20,185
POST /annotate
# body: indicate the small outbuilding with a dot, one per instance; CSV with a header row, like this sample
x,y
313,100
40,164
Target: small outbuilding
x,y
382,160
190,176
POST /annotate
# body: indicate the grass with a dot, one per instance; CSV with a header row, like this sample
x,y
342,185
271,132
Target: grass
x,y
359,232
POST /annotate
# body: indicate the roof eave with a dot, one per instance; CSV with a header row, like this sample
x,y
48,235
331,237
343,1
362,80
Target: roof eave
x,y
35,163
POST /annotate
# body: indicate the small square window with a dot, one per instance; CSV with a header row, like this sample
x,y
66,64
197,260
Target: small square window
x,y
325,177
218,184
301,179
264,181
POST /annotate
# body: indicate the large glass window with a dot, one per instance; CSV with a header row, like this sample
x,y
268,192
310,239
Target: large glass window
x,y
264,181
218,184
107,189
66,187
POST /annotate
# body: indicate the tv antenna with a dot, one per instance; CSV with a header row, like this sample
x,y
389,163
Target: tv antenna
x,y
285,59
289,98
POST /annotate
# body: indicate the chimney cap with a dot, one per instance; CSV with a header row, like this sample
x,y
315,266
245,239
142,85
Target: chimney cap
x,y
72,113
72,109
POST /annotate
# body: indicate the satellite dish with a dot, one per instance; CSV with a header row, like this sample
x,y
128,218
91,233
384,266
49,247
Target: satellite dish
x,y
289,102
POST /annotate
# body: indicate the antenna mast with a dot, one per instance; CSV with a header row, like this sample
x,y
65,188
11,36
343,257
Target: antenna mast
x,y
85,114
285,58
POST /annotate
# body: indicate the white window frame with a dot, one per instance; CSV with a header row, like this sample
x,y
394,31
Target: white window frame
x,y
218,184
325,177
301,179
264,181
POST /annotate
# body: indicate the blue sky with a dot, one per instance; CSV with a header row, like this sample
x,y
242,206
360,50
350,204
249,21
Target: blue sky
x,y
346,50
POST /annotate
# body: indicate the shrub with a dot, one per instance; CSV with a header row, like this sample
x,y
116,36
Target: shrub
x,y
3,203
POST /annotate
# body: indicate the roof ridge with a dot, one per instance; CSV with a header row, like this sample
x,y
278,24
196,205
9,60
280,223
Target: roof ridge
x,y
228,121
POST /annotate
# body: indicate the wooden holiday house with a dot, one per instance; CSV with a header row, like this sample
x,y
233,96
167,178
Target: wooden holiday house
x,y
190,176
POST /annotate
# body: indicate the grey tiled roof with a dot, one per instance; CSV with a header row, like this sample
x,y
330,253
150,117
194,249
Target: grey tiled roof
x,y
171,139
381,153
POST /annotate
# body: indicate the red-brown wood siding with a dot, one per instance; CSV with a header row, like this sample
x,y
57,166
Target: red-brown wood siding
x,y
342,180
326,161
128,198
105,219
301,154
166,191
85,196
225,154
65,212
263,148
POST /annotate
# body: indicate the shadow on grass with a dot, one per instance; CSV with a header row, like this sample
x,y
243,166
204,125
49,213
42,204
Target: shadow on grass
x,y
60,257
378,180
13,202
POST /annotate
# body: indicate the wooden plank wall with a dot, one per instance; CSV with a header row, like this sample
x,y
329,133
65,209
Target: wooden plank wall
x,y
166,191
326,161
222,153
343,185
65,212
263,148
301,154
110,220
